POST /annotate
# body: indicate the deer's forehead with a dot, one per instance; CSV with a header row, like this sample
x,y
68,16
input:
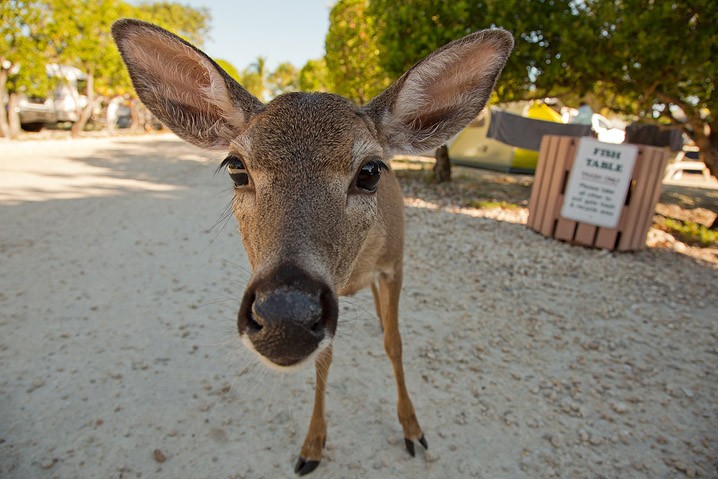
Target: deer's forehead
x,y
321,131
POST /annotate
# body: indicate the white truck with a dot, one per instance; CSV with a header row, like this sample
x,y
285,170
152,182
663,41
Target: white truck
x,y
64,104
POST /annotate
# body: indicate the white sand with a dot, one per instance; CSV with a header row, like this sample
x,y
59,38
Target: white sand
x,y
525,357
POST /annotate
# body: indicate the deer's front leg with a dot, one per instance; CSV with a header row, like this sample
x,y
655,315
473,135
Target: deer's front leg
x,y
317,435
389,289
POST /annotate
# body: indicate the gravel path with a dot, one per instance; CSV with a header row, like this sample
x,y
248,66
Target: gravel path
x,y
525,357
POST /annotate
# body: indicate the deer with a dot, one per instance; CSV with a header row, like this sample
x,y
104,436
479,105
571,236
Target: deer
x,y
319,209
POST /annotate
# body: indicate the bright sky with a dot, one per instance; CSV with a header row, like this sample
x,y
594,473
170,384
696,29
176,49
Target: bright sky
x,y
280,30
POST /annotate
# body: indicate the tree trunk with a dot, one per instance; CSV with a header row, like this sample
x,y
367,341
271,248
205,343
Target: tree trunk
x,y
135,114
711,156
442,167
13,115
708,144
79,125
4,127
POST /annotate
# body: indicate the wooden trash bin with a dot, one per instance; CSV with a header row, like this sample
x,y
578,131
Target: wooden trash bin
x,y
556,158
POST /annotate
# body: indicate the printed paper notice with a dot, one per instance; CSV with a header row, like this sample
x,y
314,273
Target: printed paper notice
x,y
598,182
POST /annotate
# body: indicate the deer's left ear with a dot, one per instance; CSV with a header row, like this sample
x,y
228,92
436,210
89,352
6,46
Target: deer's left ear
x,y
441,94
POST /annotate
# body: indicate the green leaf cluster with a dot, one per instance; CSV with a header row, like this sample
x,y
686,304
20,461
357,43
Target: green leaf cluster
x,y
284,79
314,76
24,46
258,80
34,33
352,52
654,59
690,232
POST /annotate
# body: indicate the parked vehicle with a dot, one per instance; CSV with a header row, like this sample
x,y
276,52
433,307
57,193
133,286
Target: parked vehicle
x,y
63,104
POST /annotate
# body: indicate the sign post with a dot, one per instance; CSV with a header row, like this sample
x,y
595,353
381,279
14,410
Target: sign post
x,y
598,182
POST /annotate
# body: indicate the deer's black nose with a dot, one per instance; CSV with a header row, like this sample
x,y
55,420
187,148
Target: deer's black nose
x,y
286,314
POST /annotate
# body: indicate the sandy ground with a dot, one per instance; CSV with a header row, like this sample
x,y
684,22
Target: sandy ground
x,y
525,357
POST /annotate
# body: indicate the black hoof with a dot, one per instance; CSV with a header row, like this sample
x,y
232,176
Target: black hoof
x,y
304,467
422,441
410,446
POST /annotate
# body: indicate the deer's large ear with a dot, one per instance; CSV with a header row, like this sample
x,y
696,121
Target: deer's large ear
x,y
182,86
441,94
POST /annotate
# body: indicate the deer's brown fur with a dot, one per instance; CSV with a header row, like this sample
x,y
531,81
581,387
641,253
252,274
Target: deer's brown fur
x,y
312,230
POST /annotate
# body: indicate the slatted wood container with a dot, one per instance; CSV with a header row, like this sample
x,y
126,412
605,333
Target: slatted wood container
x,y
556,158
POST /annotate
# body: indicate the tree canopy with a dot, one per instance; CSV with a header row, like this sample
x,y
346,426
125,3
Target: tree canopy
x,y
650,58
314,76
34,33
352,52
284,79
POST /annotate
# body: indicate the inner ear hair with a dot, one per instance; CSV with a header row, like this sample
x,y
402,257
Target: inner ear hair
x,y
182,86
437,97
178,71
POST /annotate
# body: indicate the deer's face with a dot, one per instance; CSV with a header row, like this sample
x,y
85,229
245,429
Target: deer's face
x,y
308,167
306,173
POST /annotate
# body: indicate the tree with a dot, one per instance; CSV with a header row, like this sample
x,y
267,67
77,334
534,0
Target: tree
x,y
80,36
410,30
23,50
657,61
352,52
254,78
650,58
34,33
284,79
190,23
229,68
314,76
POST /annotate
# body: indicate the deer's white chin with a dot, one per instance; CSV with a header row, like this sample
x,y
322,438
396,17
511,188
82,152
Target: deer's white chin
x,y
323,344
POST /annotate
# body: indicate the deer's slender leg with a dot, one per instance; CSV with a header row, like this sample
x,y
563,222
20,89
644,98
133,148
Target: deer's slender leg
x,y
377,302
389,289
317,435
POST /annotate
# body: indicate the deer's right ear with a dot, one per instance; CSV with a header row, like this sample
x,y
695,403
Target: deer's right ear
x,y
182,86
441,94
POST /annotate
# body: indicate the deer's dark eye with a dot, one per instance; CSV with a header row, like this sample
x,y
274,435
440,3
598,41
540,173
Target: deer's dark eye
x,y
236,170
369,175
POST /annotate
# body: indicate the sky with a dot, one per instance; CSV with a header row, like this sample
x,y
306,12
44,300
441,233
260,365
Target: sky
x,y
280,30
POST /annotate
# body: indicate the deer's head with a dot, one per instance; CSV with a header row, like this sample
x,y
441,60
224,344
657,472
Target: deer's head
x,y
314,197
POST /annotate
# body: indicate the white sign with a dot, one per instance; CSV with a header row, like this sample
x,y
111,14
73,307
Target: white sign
x,y
598,182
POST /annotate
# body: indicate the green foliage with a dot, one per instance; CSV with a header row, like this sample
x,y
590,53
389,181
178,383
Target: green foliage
x,y
80,36
229,68
314,76
492,205
77,33
352,52
192,24
23,47
650,58
265,85
410,30
254,78
284,79
657,61
690,232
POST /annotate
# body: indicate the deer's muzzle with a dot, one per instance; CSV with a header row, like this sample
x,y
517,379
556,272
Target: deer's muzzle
x,y
286,314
